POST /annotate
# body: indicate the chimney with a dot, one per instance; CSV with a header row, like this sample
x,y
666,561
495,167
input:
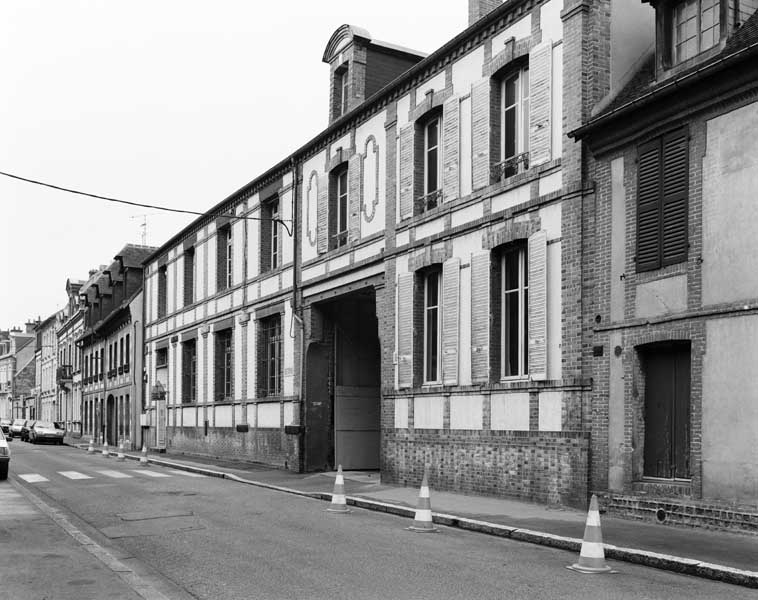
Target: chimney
x,y
30,325
478,8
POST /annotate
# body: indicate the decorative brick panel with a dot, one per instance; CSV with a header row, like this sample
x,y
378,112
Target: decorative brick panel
x,y
537,253
451,277
451,148
540,101
480,317
322,215
355,194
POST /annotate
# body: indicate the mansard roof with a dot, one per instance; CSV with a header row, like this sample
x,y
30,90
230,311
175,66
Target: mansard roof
x,y
347,33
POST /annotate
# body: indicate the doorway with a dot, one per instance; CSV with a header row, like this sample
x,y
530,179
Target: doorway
x,y
343,417
667,411
110,421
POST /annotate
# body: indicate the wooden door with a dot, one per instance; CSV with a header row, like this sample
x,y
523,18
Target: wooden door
x,y
317,408
667,413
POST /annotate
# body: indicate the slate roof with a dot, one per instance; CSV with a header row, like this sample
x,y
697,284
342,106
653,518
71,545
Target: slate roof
x,y
643,83
134,255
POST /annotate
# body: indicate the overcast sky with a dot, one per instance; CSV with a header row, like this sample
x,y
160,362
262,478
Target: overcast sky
x,y
170,102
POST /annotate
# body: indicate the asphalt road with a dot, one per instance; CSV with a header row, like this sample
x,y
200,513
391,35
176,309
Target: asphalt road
x,y
203,537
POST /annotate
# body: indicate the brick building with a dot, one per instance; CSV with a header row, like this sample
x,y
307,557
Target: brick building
x,y
68,373
46,364
675,323
411,286
17,372
111,349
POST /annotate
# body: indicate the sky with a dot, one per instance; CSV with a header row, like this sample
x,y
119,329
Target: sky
x,y
175,103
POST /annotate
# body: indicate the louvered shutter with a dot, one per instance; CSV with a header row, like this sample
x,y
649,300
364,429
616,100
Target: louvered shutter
x,y
451,277
406,171
322,215
540,103
354,178
648,206
480,317
674,198
480,134
405,330
451,145
537,318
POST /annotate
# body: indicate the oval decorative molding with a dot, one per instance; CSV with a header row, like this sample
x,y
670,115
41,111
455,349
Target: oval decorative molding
x,y
311,199
370,179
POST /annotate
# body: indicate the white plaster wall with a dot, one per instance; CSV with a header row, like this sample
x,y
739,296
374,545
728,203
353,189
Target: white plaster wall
x,y
465,147
618,237
550,20
403,110
253,244
463,247
210,349
401,413
510,412
223,416
180,282
554,307
550,220
466,215
520,29
428,412
286,240
511,198
661,297
239,340
730,210
556,121
288,379
268,415
436,83
251,354
343,142
550,404
466,412
467,71
200,270
730,410
373,127
369,251
289,413
550,183
270,285
313,165
211,247
238,251
430,228
177,374
252,415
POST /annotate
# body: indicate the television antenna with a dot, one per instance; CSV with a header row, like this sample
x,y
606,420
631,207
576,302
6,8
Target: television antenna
x,y
143,225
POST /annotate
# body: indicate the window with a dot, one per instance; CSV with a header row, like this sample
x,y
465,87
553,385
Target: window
x,y
338,212
514,274
223,365
270,250
161,358
514,123
696,27
121,352
224,256
162,292
341,102
270,356
432,313
126,359
662,204
344,92
432,169
127,418
189,372
189,276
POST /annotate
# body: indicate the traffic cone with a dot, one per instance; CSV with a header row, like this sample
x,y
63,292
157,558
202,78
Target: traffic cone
x,y
91,448
422,521
120,456
143,459
339,504
592,555
105,450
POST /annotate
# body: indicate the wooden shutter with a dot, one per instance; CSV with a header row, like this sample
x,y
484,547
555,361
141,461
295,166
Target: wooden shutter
x,y
648,206
480,134
405,156
405,330
322,215
451,277
540,103
354,179
537,334
480,317
451,144
674,198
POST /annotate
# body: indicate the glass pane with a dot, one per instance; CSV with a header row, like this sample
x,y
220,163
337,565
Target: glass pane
x,y
511,271
525,329
511,333
510,91
431,171
431,344
509,129
525,83
431,133
432,289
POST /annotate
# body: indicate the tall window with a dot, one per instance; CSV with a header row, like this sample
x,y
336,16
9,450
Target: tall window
x,y
126,360
696,27
224,256
270,356
162,291
121,352
515,312
431,156
270,248
344,92
229,257
223,365
338,207
189,372
189,276
432,326
514,127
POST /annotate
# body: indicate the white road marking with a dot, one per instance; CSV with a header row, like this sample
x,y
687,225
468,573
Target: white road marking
x,y
32,477
14,505
115,474
186,473
74,475
151,474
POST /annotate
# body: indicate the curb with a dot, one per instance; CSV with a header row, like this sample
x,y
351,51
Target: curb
x,y
666,562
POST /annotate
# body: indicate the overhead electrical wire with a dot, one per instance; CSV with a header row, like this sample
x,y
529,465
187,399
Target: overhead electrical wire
x,y
283,222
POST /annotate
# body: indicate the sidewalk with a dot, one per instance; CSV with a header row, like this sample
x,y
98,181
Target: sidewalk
x,y
723,556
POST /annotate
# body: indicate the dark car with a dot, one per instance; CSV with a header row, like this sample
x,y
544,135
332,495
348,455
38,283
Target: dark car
x,y
5,457
5,425
45,431
25,430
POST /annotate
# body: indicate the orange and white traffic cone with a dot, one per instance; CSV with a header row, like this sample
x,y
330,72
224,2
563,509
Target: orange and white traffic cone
x,y
120,456
592,554
105,450
143,459
339,503
91,447
422,520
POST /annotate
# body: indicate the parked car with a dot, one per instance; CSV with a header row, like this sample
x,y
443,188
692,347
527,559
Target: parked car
x,y
5,425
16,427
45,431
5,457
25,430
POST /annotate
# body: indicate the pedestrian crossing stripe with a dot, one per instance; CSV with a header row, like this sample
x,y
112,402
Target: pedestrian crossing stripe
x,y
32,477
14,505
74,475
151,474
115,474
186,473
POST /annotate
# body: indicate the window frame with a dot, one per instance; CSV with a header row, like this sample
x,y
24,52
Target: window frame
x,y
716,6
270,239
229,256
521,293
435,120
270,356
339,206
432,314
521,108
189,276
162,291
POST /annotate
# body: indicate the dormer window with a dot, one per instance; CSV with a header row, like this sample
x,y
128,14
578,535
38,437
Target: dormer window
x,y
341,98
343,90
696,27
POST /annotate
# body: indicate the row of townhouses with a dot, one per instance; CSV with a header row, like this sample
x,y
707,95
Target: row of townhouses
x,y
521,261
